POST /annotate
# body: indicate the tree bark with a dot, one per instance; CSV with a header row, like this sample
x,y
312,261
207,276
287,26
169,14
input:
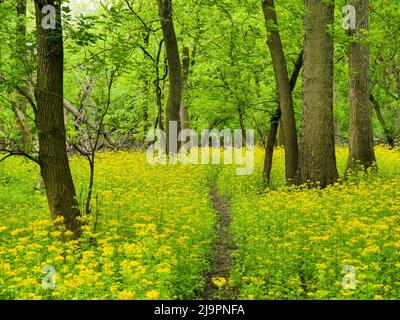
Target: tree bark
x,y
361,145
284,93
174,65
269,147
317,160
280,138
53,157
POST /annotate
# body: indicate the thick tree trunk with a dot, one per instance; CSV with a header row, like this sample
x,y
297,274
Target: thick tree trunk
x,y
282,81
53,157
361,145
317,160
174,64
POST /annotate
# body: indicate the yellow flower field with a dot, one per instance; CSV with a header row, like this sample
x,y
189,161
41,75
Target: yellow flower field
x,y
154,232
156,225
316,244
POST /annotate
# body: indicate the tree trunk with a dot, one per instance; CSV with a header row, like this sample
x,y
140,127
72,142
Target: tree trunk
x,y
19,107
269,148
398,121
381,119
53,157
159,122
174,65
317,160
240,110
361,145
184,114
337,130
284,93
280,138
146,90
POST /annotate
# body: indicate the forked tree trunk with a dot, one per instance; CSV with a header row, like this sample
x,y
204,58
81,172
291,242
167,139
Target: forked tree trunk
x,y
53,157
174,64
317,160
288,121
361,145
274,123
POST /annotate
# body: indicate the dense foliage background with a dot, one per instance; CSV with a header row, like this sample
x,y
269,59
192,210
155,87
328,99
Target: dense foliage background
x,y
230,66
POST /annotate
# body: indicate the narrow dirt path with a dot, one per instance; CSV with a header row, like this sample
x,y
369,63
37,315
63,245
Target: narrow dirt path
x,y
223,247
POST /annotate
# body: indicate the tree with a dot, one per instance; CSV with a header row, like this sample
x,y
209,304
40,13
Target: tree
x,y
19,105
174,64
361,145
317,160
388,135
186,63
275,124
284,92
53,158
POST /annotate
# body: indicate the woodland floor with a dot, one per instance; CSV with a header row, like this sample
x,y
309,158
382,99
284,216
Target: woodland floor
x,y
176,232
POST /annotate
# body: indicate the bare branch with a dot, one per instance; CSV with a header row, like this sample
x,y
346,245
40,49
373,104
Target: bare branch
x,y
70,108
140,19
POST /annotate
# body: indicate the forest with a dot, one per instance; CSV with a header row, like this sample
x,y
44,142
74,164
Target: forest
x,y
200,150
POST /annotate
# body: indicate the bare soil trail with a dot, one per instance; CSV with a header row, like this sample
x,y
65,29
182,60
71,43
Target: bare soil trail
x,y
223,248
